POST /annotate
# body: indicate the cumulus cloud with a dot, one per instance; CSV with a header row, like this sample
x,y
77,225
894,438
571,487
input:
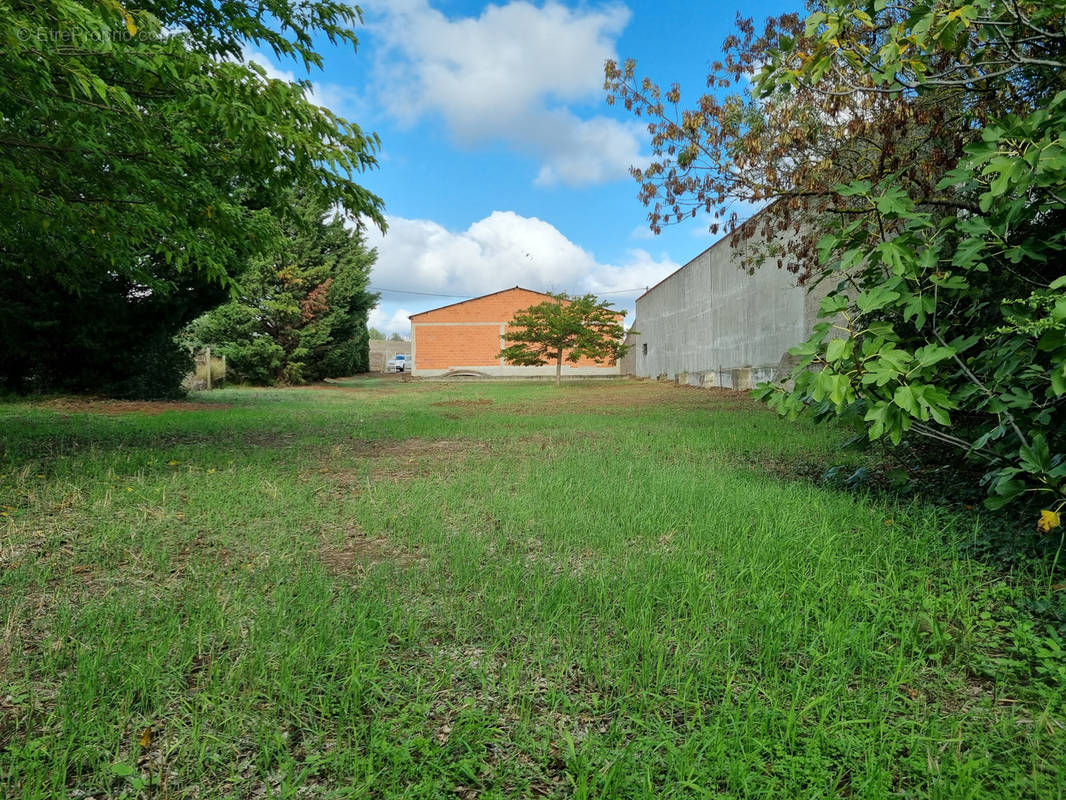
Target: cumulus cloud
x,y
577,152
642,232
388,323
509,75
502,250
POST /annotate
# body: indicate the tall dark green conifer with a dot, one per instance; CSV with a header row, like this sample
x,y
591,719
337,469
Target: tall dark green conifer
x,y
303,311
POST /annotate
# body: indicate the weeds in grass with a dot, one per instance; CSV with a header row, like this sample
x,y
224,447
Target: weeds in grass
x,y
406,591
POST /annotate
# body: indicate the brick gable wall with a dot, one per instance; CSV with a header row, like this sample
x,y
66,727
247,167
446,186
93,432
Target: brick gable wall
x,y
470,334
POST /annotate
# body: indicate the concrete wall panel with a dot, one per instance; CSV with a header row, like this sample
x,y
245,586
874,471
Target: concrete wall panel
x,y
713,316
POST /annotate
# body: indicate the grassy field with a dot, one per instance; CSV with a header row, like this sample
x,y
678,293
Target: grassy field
x,y
489,591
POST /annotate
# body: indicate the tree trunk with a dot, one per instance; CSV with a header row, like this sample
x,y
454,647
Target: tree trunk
x,y
559,368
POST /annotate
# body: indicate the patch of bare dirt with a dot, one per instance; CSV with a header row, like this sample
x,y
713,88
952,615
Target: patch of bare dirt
x,y
401,459
425,458
201,546
357,551
115,408
480,401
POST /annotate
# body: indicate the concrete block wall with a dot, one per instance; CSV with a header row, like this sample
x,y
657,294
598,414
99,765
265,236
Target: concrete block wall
x,y
712,316
469,336
628,363
444,345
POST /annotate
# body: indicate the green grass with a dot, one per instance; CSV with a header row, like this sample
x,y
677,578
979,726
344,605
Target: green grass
x,y
501,590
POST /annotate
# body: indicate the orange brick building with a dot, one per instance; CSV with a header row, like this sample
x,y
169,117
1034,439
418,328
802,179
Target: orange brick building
x,y
468,337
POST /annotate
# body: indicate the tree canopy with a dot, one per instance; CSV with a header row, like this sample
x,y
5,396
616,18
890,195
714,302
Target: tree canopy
x,y
142,156
798,106
565,328
143,145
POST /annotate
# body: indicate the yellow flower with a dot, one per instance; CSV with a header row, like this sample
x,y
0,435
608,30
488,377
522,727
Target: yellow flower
x,y
172,463
1049,520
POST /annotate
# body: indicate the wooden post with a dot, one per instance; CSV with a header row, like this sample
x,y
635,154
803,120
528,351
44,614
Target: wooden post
x,y
223,367
208,350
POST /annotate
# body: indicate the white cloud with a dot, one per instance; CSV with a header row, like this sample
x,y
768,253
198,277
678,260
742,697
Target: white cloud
x,y
641,270
509,75
487,69
642,232
502,250
577,152
396,322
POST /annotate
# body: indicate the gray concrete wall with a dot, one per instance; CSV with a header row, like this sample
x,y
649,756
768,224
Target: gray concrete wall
x,y
381,350
711,316
627,365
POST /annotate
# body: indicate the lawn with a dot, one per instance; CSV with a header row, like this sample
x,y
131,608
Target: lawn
x,y
498,590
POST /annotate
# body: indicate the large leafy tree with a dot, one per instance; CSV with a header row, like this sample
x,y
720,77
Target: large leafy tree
x,y
918,149
954,323
565,328
113,337
735,147
123,141
142,157
303,307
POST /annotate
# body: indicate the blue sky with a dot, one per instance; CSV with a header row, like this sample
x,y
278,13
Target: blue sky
x,y
501,162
